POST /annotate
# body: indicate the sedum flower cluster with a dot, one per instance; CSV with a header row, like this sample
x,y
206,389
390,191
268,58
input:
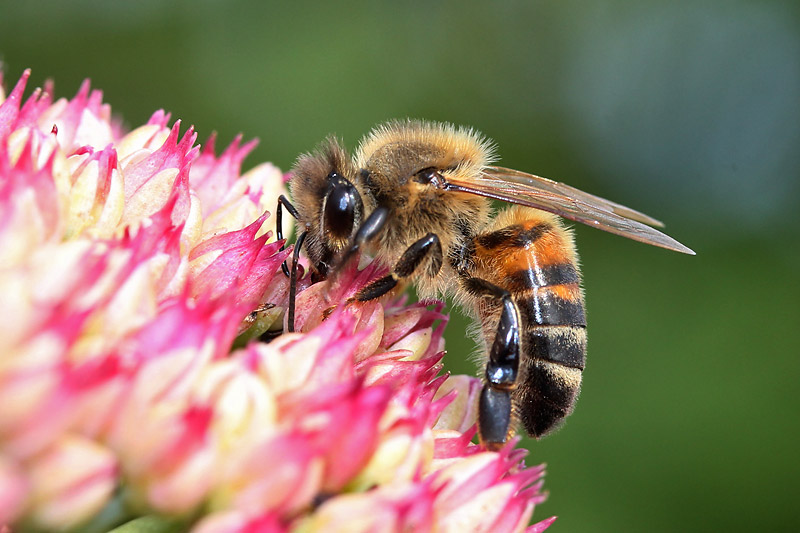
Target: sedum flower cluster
x,y
144,371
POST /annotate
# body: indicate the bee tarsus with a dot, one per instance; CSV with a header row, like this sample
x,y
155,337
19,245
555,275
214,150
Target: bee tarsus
x,y
494,416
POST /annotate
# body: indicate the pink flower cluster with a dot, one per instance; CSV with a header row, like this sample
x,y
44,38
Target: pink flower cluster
x,y
137,276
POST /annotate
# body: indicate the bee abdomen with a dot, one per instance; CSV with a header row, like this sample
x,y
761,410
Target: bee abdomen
x,y
554,343
563,345
546,395
525,279
555,305
532,256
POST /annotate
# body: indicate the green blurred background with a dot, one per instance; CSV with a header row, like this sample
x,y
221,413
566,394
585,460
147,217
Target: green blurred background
x,y
688,111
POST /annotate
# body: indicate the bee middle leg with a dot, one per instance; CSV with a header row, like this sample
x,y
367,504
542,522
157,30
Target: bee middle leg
x,y
495,418
427,249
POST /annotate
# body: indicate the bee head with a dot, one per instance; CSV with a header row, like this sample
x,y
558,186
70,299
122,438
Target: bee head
x,y
329,203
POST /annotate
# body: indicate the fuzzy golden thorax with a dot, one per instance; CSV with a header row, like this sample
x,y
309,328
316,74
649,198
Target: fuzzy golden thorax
x,y
392,160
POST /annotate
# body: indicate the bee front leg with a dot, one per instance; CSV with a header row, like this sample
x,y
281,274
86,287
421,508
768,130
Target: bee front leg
x,y
495,419
298,245
283,201
368,230
428,248
293,280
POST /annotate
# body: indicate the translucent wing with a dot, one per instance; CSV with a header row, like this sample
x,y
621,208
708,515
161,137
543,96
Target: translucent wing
x,y
541,193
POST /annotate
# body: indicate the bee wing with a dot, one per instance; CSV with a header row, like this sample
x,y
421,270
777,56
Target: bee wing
x,y
562,189
541,193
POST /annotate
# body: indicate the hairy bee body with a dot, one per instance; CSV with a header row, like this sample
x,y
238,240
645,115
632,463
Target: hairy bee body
x,y
416,197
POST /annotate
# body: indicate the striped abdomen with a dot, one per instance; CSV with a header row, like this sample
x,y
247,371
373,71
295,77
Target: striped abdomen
x,y
532,256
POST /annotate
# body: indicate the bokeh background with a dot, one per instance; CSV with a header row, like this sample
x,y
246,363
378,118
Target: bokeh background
x,y
688,111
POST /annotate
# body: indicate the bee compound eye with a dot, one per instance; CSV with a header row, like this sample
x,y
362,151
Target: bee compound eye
x,y
341,206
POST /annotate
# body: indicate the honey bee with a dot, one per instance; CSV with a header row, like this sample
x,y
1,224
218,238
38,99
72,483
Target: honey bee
x,y
416,196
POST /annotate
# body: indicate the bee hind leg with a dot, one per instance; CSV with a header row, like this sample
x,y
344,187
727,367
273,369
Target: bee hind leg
x,y
428,248
495,419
